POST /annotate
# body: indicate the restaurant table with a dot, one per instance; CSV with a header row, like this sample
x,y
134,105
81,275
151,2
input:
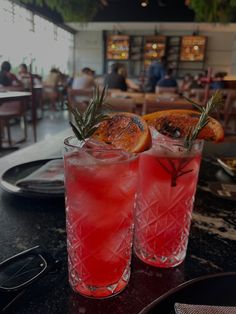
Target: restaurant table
x,y
13,95
137,97
27,222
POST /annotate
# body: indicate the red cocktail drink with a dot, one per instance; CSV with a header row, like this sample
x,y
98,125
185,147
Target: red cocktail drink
x,y
168,175
100,192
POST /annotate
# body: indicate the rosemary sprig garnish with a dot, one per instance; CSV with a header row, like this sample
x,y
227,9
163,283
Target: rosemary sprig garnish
x,y
214,102
177,168
85,123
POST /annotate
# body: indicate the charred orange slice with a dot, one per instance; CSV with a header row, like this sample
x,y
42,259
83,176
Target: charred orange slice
x,y
125,131
178,122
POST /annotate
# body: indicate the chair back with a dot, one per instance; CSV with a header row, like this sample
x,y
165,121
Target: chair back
x,y
113,91
79,98
152,105
50,92
228,112
162,96
14,108
120,104
121,94
200,93
160,90
138,98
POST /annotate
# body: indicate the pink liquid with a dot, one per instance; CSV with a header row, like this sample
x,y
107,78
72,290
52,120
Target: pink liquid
x,y
166,188
100,201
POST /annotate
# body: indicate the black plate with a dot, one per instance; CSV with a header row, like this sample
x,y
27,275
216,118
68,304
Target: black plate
x,y
215,180
223,162
218,289
12,175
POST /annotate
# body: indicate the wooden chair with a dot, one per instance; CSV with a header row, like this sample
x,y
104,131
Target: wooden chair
x,y
223,114
120,104
121,94
152,104
229,111
138,98
9,111
50,95
161,96
171,90
111,91
79,98
198,94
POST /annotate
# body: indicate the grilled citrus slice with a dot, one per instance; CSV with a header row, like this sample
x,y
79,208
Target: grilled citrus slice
x,y
178,122
125,131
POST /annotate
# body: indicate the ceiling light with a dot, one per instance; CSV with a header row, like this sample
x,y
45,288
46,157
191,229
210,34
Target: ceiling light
x,y
161,3
144,3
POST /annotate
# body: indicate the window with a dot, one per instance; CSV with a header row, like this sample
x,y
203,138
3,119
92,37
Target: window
x,y
33,40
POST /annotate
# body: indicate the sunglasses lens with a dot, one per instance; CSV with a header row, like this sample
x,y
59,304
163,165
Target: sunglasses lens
x,y
19,271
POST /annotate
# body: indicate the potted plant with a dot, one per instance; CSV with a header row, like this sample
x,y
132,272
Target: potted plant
x,y
213,11
71,10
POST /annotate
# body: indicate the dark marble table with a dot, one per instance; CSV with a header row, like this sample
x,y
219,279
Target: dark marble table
x,y
26,222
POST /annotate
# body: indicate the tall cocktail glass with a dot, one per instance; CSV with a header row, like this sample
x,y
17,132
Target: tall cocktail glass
x,y
168,175
100,192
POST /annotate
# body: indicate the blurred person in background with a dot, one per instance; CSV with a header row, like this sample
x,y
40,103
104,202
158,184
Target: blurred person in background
x,y
23,70
167,80
24,75
156,72
197,81
7,78
185,86
53,79
85,80
131,85
114,80
218,81
52,88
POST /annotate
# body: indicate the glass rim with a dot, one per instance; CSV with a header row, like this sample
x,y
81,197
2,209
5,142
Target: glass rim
x,y
95,148
66,141
176,146
164,138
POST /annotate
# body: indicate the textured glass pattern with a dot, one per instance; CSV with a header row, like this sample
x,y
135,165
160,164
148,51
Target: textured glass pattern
x,y
155,227
114,252
166,187
100,193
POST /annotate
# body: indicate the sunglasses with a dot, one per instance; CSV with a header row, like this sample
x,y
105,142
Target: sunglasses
x,y
20,271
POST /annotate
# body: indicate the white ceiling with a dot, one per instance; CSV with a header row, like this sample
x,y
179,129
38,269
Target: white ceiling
x,y
170,26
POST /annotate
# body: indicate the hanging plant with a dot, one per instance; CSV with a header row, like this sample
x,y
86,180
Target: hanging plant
x,y
71,10
213,11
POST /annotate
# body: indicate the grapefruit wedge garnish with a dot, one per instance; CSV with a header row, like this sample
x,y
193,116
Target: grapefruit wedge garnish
x,y
125,131
178,122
